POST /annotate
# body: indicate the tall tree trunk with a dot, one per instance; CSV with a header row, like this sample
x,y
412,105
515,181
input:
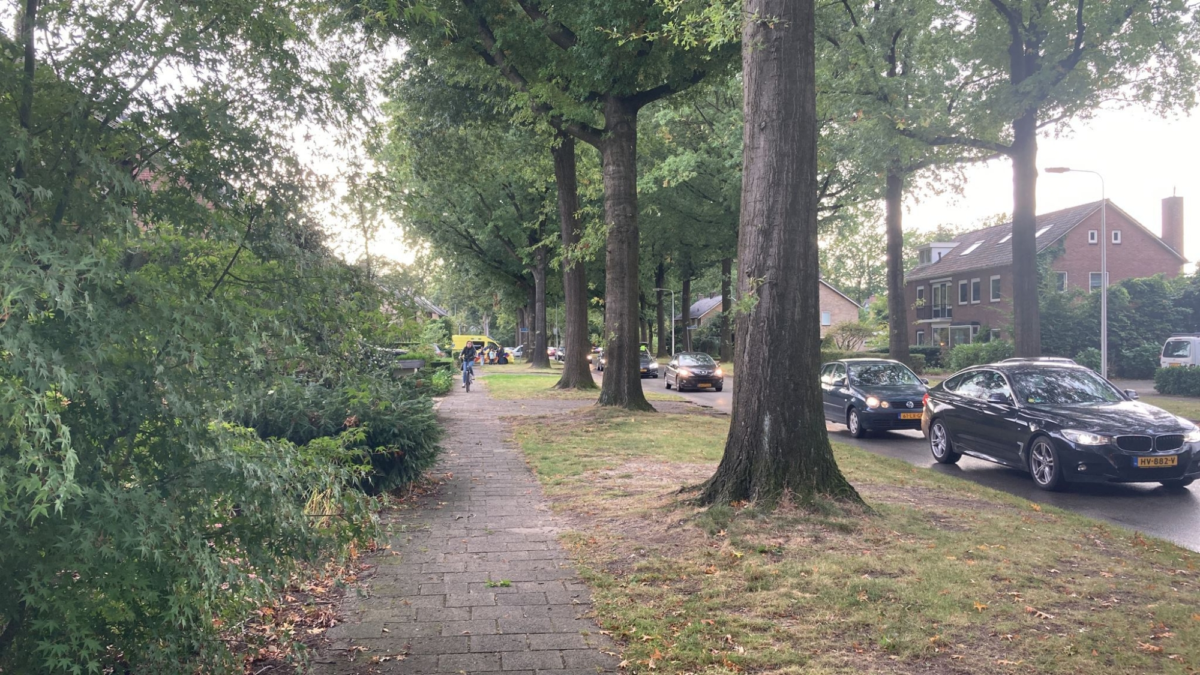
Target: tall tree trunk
x,y
897,310
25,107
686,314
660,277
650,336
539,359
777,442
622,382
576,372
1026,317
726,310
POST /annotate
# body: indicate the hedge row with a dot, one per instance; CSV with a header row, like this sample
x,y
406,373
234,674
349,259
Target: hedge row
x,y
1177,381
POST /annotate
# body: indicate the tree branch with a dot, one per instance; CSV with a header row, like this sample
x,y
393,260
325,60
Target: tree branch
x,y
557,32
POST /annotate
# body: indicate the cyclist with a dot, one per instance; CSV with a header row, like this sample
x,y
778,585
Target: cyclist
x,y
468,363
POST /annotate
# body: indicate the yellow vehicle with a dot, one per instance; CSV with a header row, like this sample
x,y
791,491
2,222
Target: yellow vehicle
x,y
482,343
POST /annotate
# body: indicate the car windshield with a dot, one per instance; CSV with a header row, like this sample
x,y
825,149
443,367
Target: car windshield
x,y
696,360
882,375
1177,349
1062,386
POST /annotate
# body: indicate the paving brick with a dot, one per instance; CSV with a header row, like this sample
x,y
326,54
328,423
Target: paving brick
x,y
470,663
525,660
498,643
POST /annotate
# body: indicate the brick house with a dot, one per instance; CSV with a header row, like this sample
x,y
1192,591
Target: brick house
x,y
963,287
836,307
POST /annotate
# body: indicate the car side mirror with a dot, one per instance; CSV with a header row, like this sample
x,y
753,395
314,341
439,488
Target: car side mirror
x,y
924,380
839,382
999,398
1131,394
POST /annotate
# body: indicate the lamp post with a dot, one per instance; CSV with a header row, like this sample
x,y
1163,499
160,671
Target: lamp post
x,y
672,318
1103,265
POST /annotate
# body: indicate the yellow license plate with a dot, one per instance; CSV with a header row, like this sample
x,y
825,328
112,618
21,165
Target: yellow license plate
x,y
1154,462
910,416
703,385
644,370
1174,365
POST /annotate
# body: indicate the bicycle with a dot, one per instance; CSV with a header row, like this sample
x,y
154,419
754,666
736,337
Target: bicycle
x,y
468,375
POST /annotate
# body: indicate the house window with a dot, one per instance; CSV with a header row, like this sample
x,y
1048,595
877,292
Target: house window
x,y
1116,236
925,256
972,247
995,283
826,319
921,296
1060,281
976,290
1094,281
1093,236
920,338
1042,231
960,335
941,301
941,336
994,334
964,293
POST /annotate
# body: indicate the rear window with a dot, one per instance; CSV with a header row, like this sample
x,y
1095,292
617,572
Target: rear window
x,y
696,360
1177,349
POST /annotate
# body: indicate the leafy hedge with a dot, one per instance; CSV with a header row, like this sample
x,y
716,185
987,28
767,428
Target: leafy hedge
x,y
964,356
1177,381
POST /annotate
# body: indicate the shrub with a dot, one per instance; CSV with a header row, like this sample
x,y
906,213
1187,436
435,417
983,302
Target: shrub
x,y
1177,381
964,356
1089,358
1139,363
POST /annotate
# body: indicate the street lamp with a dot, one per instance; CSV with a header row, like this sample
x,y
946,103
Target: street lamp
x,y
1103,265
672,318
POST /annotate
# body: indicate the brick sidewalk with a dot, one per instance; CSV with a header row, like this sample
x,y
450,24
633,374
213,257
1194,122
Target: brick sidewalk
x,y
480,584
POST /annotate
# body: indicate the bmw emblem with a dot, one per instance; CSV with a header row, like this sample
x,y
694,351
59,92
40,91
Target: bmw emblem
x,y
909,404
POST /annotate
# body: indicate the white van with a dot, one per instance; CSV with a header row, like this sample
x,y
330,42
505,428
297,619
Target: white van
x,y
1181,351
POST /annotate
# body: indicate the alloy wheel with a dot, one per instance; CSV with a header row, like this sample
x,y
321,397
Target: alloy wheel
x,y
1042,463
937,441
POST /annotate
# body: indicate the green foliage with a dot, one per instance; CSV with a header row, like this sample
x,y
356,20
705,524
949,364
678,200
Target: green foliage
x,y
1177,381
1089,358
1140,362
964,356
850,336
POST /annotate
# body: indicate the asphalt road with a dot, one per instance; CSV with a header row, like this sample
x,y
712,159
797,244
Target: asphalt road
x,y
1143,507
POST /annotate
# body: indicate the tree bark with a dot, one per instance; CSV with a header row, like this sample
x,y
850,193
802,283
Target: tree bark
x,y
25,107
777,442
618,152
726,311
539,358
686,312
660,277
1026,315
897,310
577,373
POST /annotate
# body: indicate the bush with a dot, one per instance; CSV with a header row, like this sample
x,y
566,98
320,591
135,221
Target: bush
x,y
964,356
1177,381
1140,362
1089,358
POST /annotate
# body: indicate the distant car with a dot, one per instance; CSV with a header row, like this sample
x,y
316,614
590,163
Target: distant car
x,y
872,395
595,354
648,365
560,354
600,361
694,370
551,352
518,352
1181,351
1060,423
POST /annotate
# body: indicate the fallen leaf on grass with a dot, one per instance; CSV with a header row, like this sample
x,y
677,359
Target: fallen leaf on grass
x,y
979,607
1038,613
1147,647
1035,507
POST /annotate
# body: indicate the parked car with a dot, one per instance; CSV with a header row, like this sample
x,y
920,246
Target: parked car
x,y
560,354
599,361
1181,351
517,352
551,352
694,370
1061,423
595,354
872,395
648,365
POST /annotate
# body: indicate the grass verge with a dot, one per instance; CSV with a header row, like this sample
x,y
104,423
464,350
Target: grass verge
x,y
1177,405
509,386
942,576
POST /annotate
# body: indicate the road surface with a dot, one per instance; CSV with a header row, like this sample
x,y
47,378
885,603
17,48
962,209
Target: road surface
x,y
1143,507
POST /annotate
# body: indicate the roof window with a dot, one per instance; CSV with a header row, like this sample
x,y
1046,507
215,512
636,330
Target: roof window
x,y
972,247
1006,238
1043,231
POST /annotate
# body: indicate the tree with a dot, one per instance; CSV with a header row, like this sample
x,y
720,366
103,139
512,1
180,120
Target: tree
x,y
1039,64
589,83
777,440
576,372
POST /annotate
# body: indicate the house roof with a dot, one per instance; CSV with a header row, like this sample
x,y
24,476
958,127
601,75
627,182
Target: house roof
x,y
828,285
990,246
702,306
428,306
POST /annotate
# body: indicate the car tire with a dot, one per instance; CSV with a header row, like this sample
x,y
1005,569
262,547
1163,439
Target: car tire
x,y
940,444
1045,466
854,423
667,382
1178,483
719,388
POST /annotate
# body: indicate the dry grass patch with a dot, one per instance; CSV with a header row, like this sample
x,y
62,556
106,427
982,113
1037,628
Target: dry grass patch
x,y
941,576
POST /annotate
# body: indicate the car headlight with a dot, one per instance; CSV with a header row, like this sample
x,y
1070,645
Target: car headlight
x,y
1086,438
719,373
653,365
872,402
1192,436
685,372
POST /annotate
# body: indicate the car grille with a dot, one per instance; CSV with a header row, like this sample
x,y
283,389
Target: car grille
x,y
1169,442
903,405
1148,443
1135,443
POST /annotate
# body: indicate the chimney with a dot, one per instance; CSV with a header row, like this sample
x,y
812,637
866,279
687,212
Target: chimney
x,y
1172,223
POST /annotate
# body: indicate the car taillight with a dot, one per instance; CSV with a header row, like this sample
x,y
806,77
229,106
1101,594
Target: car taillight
x,y
925,401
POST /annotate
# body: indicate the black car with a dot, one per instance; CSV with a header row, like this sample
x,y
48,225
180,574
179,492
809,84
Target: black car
x,y
872,395
1061,423
694,370
648,365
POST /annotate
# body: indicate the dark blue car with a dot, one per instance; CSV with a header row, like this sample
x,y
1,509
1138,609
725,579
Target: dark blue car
x,y
872,395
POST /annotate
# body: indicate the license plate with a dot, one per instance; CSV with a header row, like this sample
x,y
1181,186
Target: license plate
x,y
910,416
1154,462
703,385
644,370
1174,365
